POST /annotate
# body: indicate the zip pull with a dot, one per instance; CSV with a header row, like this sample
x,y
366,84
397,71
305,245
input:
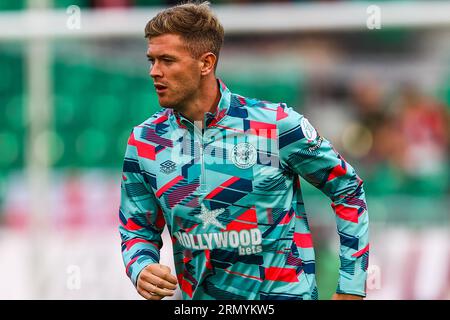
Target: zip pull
x,y
203,187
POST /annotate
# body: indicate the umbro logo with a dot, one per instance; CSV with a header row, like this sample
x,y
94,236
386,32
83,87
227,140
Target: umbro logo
x,y
168,166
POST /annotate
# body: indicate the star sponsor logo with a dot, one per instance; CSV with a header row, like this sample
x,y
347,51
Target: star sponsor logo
x,y
244,155
209,217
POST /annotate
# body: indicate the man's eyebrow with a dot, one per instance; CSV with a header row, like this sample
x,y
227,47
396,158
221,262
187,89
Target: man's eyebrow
x,y
161,56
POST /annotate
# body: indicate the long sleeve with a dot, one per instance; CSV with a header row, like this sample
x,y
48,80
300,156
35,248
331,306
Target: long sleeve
x,y
304,152
141,219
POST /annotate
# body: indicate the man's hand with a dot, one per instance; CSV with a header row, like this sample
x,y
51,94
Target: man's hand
x,y
156,282
344,296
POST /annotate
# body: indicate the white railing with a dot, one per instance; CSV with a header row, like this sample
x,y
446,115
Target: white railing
x,y
237,19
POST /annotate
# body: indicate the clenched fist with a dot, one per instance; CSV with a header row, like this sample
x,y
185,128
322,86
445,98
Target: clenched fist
x,y
156,282
343,296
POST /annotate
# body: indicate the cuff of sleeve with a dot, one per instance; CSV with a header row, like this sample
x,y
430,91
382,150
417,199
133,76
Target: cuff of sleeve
x,y
352,286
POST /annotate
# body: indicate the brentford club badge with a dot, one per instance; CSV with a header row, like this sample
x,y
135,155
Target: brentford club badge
x,y
244,155
308,130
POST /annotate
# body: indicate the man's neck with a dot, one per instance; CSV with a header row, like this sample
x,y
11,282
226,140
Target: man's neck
x,y
206,101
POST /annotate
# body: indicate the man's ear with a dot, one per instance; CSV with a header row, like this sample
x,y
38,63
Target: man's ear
x,y
208,62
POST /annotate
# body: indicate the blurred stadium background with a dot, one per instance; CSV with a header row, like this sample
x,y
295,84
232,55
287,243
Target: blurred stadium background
x,y
71,90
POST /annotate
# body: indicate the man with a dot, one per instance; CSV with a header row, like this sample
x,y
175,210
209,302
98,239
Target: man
x,y
222,172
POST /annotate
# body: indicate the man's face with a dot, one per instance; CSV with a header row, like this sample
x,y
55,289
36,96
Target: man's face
x,y
175,73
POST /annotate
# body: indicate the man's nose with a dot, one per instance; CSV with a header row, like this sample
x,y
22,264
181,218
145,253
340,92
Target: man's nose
x,y
155,71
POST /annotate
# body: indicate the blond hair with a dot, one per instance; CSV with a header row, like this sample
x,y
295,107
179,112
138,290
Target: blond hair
x,y
194,22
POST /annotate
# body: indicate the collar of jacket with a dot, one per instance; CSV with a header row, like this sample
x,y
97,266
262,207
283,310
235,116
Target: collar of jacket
x,y
210,118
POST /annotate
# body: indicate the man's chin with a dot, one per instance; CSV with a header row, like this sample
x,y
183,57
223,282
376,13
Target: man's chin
x,y
165,104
